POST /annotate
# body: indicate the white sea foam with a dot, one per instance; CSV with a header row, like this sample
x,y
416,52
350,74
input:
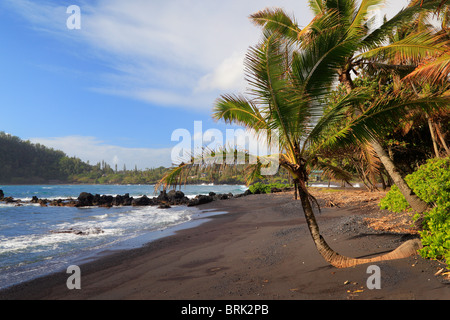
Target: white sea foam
x,y
16,204
130,222
28,248
35,243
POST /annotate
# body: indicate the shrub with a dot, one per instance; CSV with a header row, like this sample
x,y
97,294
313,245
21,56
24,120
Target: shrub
x,y
431,183
394,201
259,187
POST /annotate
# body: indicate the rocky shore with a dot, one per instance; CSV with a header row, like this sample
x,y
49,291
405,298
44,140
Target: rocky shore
x,y
163,200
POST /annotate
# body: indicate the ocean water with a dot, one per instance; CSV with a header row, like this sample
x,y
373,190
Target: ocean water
x,y
31,244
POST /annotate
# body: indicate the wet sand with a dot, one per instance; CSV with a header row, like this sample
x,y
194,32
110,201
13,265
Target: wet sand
x,y
260,250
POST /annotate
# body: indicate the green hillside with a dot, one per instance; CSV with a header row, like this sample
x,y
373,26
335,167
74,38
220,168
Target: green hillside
x,y
25,162
22,162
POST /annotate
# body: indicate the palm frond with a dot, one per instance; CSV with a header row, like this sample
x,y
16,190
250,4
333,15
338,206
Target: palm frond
x,y
214,160
266,73
176,176
369,157
345,9
357,26
332,171
404,17
238,110
435,71
314,67
388,68
264,166
337,114
412,48
316,6
384,113
277,21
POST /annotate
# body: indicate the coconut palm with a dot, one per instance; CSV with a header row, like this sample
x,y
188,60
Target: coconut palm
x,y
287,89
435,69
349,26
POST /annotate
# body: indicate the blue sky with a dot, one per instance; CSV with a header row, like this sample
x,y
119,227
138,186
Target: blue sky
x,y
136,71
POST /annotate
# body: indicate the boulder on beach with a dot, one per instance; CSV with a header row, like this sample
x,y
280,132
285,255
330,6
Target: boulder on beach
x,y
124,200
199,200
9,200
43,202
226,196
85,199
142,201
163,197
118,200
102,200
177,197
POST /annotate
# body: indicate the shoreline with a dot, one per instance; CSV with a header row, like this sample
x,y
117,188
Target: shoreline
x,y
259,250
93,255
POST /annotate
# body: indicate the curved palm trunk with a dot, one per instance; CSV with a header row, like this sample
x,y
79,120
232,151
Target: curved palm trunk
x,y
414,201
407,249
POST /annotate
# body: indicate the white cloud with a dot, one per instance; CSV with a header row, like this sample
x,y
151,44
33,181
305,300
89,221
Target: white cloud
x,y
93,150
173,53
227,76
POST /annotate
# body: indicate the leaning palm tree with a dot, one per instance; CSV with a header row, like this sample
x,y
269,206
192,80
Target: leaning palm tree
x,y
347,25
287,86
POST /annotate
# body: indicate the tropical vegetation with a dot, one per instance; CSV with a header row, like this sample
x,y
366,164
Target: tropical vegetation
x,y
292,75
431,182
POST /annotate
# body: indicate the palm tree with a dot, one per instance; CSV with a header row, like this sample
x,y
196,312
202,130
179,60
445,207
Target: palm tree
x,y
351,37
434,70
287,89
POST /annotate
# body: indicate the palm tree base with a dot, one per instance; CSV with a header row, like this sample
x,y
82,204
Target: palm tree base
x,y
407,249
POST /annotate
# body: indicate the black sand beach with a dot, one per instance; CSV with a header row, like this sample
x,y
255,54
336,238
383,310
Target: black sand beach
x,y
260,250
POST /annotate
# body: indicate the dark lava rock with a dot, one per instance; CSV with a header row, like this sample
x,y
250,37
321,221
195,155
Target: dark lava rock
x,y
85,199
142,201
199,200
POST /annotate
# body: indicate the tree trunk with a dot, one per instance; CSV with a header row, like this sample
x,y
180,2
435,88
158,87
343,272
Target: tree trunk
x,y
442,139
295,189
433,137
414,201
383,183
407,249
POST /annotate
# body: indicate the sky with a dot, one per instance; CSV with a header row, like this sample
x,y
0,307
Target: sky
x,y
117,83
